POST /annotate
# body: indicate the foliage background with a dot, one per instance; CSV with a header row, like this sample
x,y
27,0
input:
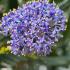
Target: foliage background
x,y
60,56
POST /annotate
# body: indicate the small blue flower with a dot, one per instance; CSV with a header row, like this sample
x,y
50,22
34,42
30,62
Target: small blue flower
x,y
34,28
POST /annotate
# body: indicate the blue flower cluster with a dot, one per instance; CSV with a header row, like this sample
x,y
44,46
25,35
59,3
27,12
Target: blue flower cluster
x,y
34,27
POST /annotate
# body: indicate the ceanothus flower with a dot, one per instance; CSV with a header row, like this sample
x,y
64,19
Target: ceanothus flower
x,y
34,27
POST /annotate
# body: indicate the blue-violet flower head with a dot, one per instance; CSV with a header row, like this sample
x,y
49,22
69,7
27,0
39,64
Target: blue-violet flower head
x,y
34,27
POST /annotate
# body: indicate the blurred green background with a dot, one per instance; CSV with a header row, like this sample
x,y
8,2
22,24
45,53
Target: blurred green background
x,y
59,59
